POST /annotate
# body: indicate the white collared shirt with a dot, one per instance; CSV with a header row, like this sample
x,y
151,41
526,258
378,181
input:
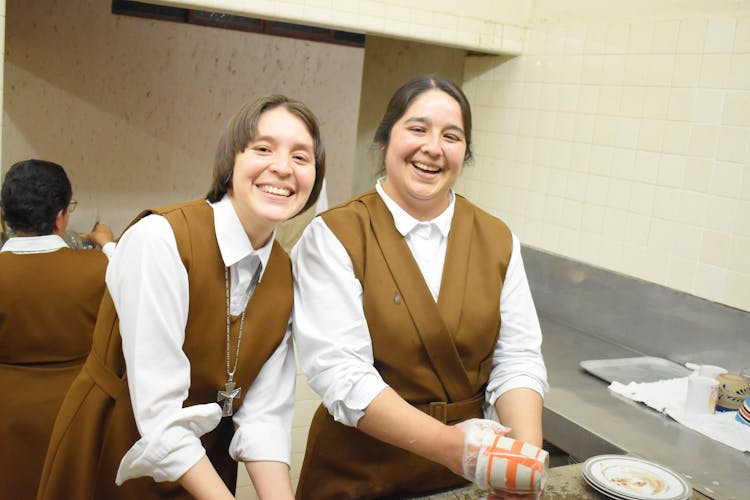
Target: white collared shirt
x,y
331,332
44,244
149,286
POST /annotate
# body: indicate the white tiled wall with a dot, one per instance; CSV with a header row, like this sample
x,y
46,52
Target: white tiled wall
x,y
625,144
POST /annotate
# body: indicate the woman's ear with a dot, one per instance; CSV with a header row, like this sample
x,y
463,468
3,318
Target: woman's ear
x,y
61,222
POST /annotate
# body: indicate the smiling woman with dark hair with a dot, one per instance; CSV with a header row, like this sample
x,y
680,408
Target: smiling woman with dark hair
x,y
192,369
434,324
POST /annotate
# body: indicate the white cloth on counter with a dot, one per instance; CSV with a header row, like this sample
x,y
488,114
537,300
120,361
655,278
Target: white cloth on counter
x,y
668,396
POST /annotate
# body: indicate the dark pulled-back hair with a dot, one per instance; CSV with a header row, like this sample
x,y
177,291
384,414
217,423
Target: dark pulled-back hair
x,y
33,193
408,93
242,129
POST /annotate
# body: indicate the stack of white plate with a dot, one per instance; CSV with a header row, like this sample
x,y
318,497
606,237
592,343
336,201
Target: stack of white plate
x,y
743,413
630,478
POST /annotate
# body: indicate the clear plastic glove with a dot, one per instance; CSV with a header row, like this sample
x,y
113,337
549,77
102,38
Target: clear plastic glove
x,y
475,432
508,467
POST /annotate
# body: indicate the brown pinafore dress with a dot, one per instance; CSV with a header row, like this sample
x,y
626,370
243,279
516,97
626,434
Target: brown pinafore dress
x,y
48,305
437,356
95,426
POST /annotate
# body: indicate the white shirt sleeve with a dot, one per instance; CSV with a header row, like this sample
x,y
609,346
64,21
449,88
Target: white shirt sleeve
x,y
149,287
264,420
518,358
109,249
330,329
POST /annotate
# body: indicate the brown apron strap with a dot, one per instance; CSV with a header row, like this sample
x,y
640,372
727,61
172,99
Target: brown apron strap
x,y
456,270
428,321
113,385
452,412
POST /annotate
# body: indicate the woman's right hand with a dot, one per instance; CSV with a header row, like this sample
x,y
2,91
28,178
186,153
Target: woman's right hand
x,y
475,431
101,234
204,483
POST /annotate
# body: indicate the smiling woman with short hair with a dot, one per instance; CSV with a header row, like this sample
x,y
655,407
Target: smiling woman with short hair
x,y
192,368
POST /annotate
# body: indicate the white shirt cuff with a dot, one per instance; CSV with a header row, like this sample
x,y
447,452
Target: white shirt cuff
x,y
348,405
521,381
172,449
109,249
262,442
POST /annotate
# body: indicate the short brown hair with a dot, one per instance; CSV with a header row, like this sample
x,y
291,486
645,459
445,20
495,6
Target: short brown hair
x,y
242,129
407,93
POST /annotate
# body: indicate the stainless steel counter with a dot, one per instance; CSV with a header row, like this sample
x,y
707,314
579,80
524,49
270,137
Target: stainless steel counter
x,y
582,417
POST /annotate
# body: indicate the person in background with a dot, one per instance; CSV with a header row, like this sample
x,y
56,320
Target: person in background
x,y
192,368
413,313
49,297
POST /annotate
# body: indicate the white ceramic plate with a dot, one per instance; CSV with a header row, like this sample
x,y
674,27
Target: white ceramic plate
x,y
635,478
607,494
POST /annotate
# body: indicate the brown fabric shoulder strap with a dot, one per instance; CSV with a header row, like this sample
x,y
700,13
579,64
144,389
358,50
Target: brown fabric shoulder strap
x,y
456,270
417,298
175,214
271,304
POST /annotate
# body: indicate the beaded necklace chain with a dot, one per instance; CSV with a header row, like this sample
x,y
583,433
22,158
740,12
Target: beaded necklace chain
x,y
230,392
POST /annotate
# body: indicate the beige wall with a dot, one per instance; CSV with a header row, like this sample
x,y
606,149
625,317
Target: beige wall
x,y
133,108
2,73
492,26
625,144
388,64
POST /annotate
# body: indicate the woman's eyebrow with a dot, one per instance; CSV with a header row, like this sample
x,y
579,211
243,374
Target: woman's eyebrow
x,y
427,121
272,139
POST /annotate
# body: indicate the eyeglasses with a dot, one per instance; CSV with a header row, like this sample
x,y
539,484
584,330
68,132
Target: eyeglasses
x,y
72,206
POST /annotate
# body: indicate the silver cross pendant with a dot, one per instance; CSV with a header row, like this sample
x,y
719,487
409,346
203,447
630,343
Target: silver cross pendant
x,y
228,395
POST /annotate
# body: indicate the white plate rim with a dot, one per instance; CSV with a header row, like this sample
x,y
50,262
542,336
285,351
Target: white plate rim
x,y
588,464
